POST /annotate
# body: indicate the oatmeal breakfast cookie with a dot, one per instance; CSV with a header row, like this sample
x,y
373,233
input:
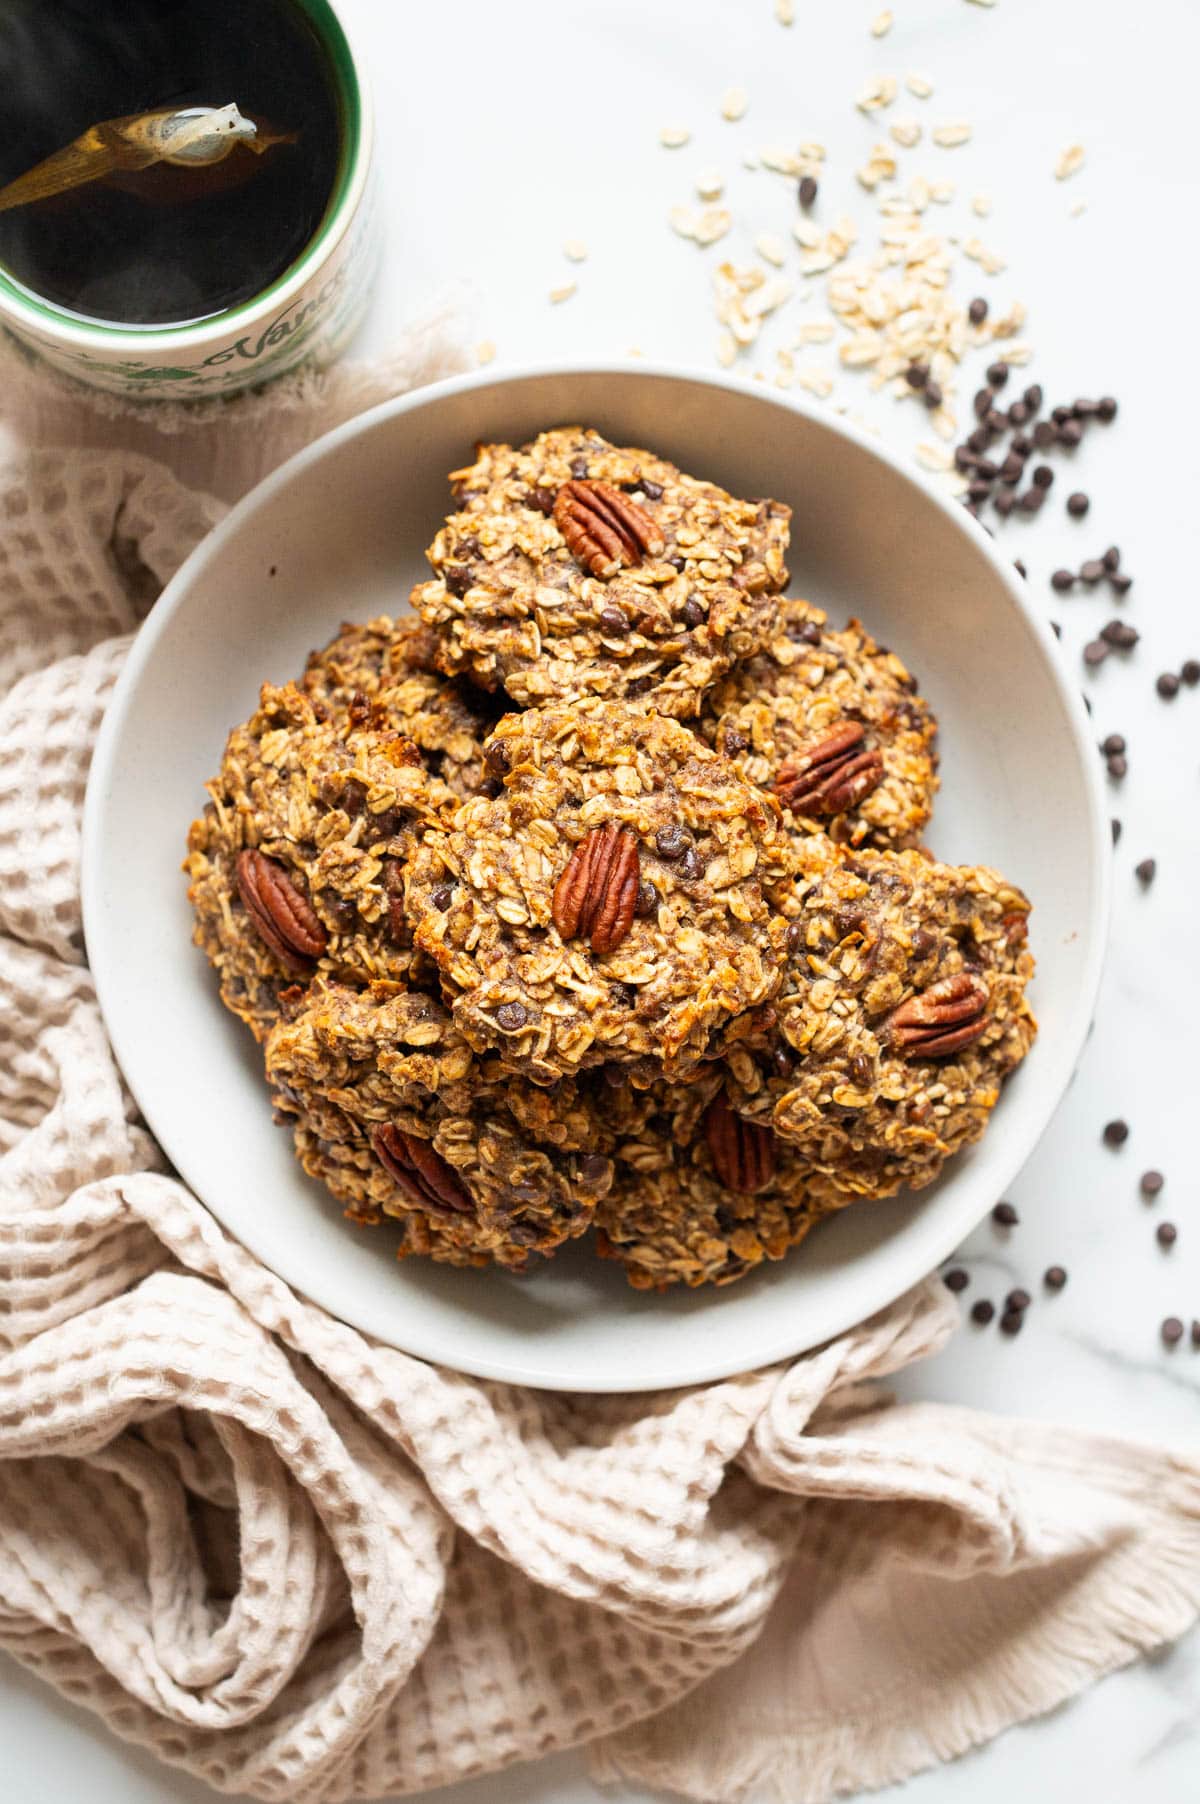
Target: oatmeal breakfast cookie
x,y
395,1114
578,568
901,1012
699,1195
612,903
831,723
296,863
387,666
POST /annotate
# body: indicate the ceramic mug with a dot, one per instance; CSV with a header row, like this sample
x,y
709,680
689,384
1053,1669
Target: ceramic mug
x,y
307,314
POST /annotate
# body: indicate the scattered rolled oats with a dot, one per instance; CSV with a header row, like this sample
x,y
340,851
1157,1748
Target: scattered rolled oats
x,y
815,332
989,261
881,24
485,350
934,457
878,92
905,131
981,205
941,192
785,12
1079,208
1070,161
983,2
726,350
674,137
816,381
918,85
563,292
880,166
575,250
771,249
710,185
952,134
734,102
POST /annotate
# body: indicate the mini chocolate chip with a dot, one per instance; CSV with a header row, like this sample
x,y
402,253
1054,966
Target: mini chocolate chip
x,y
995,421
1190,672
1095,652
1005,502
733,742
1043,476
1113,744
1012,469
1012,1321
861,1070
1005,1216
541,498
1034,397
442,896
653,491
1121,582
956,1279
979,490
795,936
623,995
690,866
613,620
1077,504
1032,501
932,395
593,1168
1044,434
1112,558
1151,1183
1166,1233
807,190
1116,1133
694,612
980,439
917,375
1055,1277
1145,871
1118,767
1017,1299
982,1312
491,787
1055,628
1086,410
510,1016
1020,569
670,841
1021,443
1070,433
676,561
810,632
1091,570
1196,1331
982,402
457,578
497,757
1115,825
987,469
1062,580
1106,408
647,902
1018,413
997,374
1172,1331
977,311
1167,685
965,459
579,468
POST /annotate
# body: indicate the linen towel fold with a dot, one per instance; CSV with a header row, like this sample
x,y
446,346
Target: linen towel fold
x,y
306,1567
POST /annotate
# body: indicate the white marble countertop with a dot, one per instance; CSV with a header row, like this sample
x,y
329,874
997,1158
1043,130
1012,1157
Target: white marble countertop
x,y
505,131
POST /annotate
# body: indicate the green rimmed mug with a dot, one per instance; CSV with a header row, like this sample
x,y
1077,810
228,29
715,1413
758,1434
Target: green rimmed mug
x,y
307,314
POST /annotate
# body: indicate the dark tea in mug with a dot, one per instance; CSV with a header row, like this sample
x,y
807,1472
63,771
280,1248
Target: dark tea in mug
x,y
162,161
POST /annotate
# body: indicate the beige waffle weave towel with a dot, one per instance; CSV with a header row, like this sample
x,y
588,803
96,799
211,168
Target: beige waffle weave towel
x,y
305,1567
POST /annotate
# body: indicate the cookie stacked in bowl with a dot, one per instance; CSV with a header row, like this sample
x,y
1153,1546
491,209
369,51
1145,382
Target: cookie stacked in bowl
x,y
591,894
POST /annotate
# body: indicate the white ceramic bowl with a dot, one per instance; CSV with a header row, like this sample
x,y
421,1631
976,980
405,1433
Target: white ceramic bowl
x,y
338,534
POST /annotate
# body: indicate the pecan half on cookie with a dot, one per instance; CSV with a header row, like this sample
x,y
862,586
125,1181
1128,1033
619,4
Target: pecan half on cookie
x,y
577,568
611,904
832,724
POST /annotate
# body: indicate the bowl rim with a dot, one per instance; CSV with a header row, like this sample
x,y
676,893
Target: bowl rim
x,y
1071,1038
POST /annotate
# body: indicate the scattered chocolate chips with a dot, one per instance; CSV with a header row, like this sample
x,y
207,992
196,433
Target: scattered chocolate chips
x,y
694,612
1172,1331
807,190
1055,1277
810,632
932,395
1118,768
956,1279
1017,1299
1095,652
982,1312
1145,870
647,902
1106,409
1118,633
997,374
1112,559
1012,1321
977,311
690,866
653,491
1116,1133
1114,744
1077,504
1167,685
1151,1183
1005,1216
612,620
496,757
1091,571
1190,672
917,375
441,896
1070,433
1115,826
1166,1233
510,1016
1063,580
1196,1331
1120,582
1043,476
1045,434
